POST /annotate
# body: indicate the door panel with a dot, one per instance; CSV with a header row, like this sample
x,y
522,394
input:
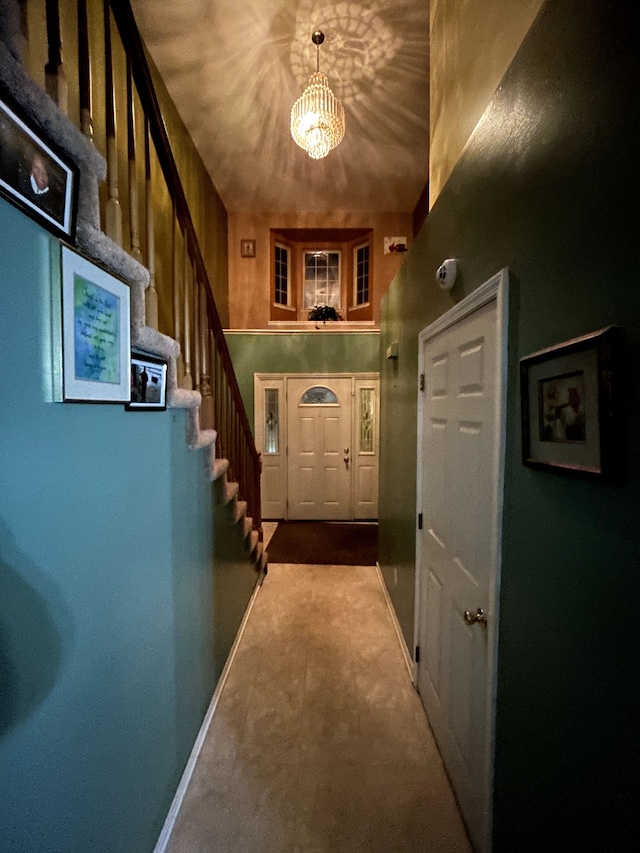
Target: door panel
x,y
459,479
319,477
367,488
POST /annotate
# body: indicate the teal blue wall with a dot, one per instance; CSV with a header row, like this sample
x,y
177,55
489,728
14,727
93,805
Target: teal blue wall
x,y
547,186
111,640
316,352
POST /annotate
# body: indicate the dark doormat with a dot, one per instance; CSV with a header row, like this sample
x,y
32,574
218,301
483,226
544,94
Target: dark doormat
x,y
327,543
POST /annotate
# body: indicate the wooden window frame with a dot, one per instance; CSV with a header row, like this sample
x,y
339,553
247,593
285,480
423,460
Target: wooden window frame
x,y
287,249
365,244
344,241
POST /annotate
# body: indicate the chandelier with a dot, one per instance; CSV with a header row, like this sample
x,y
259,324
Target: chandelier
x,y
317,117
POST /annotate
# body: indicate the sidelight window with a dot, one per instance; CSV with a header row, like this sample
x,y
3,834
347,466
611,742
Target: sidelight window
x,y
271,421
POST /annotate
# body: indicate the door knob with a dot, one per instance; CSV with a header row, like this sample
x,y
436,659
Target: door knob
x,y
479,616
346,450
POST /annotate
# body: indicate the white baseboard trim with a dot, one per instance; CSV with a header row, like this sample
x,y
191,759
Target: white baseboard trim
x,y
396,624
176,805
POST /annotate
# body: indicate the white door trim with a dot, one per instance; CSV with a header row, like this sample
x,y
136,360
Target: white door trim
x,y
496,288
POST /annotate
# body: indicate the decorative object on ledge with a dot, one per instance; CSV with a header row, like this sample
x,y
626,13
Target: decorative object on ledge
x,y
569,417
35,175
322,313
247,248
148,384
95,333
317,117
395,245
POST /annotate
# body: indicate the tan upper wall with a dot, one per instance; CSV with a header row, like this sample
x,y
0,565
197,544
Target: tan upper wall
x,y
472,45
250,278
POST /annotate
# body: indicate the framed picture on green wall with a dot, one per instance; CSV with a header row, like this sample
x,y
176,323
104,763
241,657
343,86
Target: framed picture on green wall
x,y
569,417
95,333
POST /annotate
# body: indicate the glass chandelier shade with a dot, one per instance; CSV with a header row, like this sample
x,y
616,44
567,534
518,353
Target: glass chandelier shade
x,y
317,117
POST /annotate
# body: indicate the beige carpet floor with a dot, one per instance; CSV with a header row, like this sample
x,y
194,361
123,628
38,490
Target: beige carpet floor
x,y
319,743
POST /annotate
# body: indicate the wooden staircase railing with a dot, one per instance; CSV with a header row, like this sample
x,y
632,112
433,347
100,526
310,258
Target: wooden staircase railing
x,y
113,79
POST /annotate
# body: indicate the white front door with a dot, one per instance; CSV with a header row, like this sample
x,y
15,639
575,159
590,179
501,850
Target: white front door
x,y
460,450
319,430
303,444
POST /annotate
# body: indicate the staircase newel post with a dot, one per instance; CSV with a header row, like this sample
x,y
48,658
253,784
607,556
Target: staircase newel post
x,y
187,380
151,295
55,80
195,298
177,311
134,213
205,367
84,70
113,212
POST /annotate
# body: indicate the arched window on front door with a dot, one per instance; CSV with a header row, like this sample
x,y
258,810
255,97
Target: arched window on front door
x,y
319,395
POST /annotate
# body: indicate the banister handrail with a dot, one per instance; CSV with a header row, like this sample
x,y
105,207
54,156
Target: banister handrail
x,y
134,48
181,294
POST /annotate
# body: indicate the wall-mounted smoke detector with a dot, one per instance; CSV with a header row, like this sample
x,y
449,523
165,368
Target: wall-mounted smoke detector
x,y
446,273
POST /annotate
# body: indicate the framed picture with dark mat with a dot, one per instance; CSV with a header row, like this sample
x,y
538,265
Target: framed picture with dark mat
x,y
36,175
148,384
570,406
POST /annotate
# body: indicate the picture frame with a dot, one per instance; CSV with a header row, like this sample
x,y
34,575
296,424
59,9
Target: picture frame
x,y
96,338
395,245
35,175
148,383
247,248
569,406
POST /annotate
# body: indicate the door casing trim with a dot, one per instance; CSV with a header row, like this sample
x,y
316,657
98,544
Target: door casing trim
x,y
496,288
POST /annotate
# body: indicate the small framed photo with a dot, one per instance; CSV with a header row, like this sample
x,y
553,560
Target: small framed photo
x,y
35,175
569,417
395,245
95,333
148,383
247,248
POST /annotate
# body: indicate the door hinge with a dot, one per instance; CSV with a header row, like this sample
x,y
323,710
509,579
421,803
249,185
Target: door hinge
x,y
419,521
422,381
417,655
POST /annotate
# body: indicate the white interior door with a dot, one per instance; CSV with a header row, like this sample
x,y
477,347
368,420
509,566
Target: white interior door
x,y
319,436
460,451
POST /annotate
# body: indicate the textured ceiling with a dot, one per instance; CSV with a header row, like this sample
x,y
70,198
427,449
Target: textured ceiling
x,y
235,68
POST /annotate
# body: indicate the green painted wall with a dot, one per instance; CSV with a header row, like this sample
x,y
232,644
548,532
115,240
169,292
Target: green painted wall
x,y
113,626
547,186
319,352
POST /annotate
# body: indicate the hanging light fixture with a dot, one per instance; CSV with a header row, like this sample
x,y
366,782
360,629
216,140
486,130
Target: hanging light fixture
x,y
317,117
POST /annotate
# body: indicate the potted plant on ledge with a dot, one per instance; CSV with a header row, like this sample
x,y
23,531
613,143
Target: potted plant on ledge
x,y
324,313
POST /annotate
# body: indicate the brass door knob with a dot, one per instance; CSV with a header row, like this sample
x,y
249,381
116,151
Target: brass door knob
x,y
479,616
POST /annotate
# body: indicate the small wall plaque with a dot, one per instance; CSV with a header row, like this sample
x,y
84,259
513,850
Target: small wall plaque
x,y
395,245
